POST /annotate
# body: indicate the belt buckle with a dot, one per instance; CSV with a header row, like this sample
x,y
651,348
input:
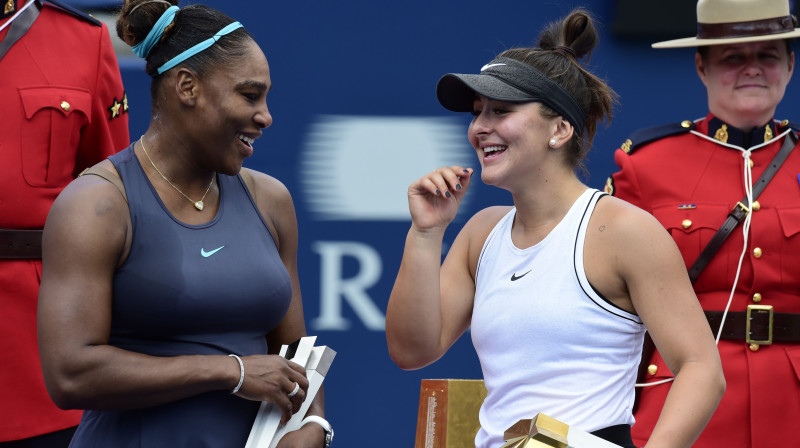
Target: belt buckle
x,y
759,312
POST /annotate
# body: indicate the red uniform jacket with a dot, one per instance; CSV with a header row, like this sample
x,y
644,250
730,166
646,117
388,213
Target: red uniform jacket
x,y
63,108
690,182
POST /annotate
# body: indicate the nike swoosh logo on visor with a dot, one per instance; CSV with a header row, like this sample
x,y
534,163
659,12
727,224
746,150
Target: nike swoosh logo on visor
x,y
488,66
210,253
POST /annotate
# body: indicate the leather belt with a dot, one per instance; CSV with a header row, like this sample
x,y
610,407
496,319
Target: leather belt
x,y
759,325
17,244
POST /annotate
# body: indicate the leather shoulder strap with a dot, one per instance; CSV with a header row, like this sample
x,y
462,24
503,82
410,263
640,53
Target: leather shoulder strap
x,y
107,175
740,211
19,27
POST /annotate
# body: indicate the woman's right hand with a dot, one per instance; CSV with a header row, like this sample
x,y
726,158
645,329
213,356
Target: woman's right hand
x,y
272,378
434,198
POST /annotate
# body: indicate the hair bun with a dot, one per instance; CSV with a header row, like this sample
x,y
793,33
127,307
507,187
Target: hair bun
x,y
137,18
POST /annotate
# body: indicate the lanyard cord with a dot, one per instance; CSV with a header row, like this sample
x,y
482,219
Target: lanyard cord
x,y
748,187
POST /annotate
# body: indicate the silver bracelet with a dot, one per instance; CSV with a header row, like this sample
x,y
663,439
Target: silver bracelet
x,y
241,375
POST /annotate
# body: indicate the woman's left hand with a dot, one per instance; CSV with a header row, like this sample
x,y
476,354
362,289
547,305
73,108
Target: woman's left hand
x,y
310,435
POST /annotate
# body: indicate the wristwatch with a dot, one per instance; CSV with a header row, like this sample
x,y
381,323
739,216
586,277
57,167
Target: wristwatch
x,y
325,425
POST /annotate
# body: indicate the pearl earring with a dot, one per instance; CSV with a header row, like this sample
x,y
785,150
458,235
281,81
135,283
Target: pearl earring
x,y
553,142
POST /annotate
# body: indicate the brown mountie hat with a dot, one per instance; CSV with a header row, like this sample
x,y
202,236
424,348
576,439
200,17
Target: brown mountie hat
x,y
722,22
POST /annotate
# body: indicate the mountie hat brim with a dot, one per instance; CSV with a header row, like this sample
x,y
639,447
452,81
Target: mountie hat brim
x,y
698,42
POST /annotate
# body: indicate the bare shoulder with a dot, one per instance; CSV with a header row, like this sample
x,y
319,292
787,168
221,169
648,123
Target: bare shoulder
x,y
482,222
629,237
475,232
88,196
269,188
276,206
89,217
620,219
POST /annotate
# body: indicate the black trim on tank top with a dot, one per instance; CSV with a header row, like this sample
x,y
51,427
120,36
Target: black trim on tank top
x,y
599,195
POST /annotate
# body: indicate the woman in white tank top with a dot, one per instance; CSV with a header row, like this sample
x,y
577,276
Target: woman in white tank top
x,y
559,288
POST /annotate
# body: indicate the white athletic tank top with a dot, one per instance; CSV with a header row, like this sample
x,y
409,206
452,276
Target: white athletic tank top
x,y
547,341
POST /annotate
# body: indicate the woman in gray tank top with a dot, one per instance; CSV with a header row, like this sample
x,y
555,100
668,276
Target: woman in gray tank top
x,y
163,316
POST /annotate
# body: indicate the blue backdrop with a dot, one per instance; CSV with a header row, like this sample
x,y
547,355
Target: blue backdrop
x,y
356,120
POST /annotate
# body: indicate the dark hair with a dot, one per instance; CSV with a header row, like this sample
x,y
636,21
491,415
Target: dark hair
x,y
192,25
561,45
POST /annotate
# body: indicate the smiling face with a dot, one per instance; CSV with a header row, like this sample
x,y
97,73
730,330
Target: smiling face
x,y
511,141
745,82
233,109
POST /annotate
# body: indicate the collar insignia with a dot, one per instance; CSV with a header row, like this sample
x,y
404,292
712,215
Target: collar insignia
x,y
722,134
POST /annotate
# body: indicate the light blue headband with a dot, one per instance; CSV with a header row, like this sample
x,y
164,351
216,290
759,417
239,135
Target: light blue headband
x,y
142,49
198,48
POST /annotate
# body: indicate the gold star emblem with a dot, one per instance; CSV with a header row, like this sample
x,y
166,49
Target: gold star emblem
x,y
114,109
125,102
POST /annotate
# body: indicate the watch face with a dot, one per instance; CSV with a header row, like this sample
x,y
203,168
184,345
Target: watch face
x,y
328,439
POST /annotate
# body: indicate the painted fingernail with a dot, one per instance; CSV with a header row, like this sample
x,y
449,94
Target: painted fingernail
x,y
467,171
438,193
458,186
447,194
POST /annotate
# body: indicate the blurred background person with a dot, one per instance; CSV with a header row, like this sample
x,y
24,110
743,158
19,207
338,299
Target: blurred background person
x,y
558,288
163,317
64,108
695,176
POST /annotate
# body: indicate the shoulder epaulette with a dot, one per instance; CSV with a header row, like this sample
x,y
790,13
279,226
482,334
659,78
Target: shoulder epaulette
x,y
647,135
73,11
783,124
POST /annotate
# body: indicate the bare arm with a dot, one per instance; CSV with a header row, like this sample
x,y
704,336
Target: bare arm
x,y
655,276
431,302
277,208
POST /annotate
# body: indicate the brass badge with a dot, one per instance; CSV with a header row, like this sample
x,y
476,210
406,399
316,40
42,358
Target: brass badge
x,y
609,187
722,134
626,146
9,8
768,134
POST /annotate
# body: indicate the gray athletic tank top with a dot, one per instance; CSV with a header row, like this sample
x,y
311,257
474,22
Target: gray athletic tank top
x,y
216,288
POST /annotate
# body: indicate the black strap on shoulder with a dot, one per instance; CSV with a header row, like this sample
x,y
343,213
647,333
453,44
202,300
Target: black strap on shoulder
x,y
107,175
740,211
21,24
